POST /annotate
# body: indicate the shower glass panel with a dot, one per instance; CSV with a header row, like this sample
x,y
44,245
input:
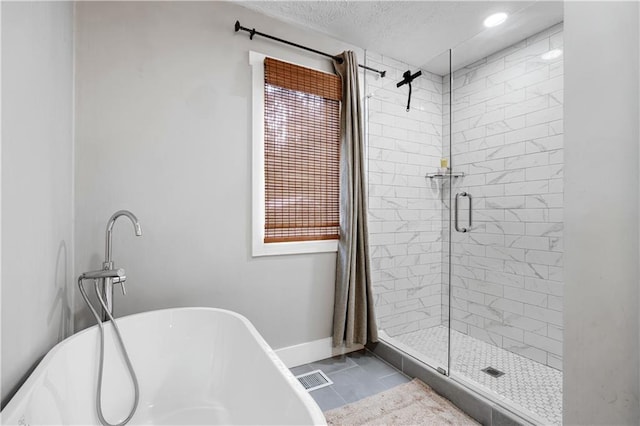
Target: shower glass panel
x,y
506,244
409,219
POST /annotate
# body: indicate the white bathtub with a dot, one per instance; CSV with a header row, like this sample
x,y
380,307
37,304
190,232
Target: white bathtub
x,y
194,366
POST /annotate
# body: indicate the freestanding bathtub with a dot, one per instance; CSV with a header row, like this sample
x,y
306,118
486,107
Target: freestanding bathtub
x,y
194,365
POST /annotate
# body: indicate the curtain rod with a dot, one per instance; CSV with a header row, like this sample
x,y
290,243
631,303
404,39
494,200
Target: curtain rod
x,y
252,32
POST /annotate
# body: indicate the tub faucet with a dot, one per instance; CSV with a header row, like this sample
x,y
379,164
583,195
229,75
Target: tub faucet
x,y
111,275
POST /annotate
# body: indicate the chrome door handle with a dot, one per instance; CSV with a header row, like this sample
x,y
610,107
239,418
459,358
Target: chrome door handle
x,y
458,195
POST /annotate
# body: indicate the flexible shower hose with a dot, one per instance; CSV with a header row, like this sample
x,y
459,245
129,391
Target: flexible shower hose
x,y
101,365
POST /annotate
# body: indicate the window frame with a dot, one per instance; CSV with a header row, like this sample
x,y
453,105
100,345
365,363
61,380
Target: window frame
x,y
259,247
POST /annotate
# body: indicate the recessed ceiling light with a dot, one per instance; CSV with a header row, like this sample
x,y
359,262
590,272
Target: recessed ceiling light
x,y
552,54
495,19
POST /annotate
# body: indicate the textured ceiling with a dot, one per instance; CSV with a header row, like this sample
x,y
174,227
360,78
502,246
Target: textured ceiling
x,y
415,32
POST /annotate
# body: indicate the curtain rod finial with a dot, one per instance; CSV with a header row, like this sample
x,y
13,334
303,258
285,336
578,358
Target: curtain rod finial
x,y
383,74
237,26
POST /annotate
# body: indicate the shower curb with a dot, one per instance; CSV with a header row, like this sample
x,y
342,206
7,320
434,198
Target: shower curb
x,y
478,407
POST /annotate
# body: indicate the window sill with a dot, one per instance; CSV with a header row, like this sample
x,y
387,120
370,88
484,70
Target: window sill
x,y
302,247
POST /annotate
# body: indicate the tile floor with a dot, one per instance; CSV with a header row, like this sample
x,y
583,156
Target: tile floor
x,y
355,376
526,383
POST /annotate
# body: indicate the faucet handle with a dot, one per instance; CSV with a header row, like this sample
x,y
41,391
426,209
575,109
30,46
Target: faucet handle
x,y
121,281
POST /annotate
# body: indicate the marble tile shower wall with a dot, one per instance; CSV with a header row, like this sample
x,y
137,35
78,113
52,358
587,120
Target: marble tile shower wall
x,y
508,139
404,211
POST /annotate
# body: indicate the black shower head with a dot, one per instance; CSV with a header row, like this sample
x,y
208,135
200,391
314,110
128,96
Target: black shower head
x,y
408,78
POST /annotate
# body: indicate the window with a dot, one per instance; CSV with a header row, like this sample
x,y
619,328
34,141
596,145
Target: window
x,y
296,158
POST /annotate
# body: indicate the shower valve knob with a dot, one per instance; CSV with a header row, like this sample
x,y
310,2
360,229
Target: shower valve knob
x,y
121,280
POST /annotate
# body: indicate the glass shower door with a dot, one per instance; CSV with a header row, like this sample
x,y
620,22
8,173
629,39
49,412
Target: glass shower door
x,y
506,240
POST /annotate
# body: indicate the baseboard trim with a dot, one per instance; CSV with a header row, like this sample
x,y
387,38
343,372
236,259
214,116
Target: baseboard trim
x,y
304,353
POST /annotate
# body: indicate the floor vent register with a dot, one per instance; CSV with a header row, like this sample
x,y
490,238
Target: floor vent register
x,y
314,380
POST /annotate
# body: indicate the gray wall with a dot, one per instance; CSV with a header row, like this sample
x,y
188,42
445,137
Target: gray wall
x,y
37,171
163,94
601,213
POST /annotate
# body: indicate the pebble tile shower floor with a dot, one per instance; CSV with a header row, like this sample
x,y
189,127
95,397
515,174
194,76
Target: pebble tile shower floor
x,y
526,383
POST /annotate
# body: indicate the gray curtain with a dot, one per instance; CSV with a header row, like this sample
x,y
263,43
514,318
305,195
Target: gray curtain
x,y
353,318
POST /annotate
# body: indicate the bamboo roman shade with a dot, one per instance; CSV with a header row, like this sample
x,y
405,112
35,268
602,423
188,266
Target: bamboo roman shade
x,y
301,153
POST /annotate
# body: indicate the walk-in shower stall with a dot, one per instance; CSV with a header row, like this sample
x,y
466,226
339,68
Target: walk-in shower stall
x,y
465,216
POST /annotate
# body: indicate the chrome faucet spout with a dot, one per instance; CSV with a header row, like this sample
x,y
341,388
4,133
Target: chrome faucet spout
x,y
109,281
109,235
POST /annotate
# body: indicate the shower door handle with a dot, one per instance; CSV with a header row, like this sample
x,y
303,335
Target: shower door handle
x,y
455,222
